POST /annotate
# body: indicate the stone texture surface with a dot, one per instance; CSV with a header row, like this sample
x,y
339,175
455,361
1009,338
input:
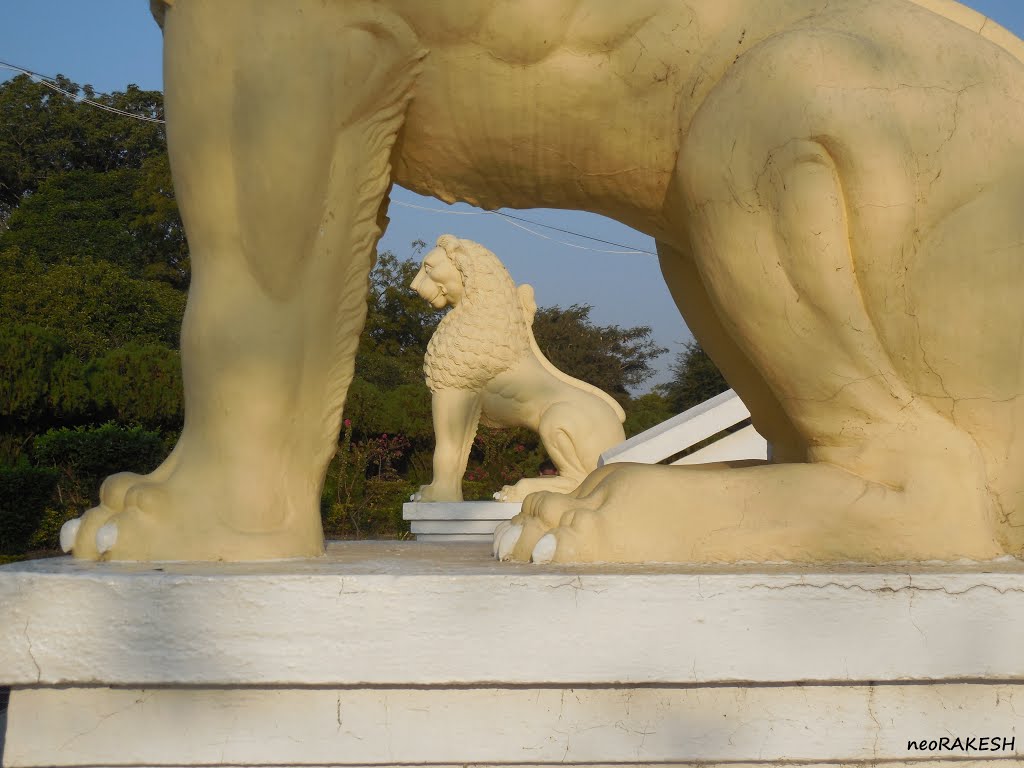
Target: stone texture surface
x,y
103,726
388,653
412,613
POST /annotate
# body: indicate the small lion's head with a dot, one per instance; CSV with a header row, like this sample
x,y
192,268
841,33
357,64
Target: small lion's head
x,y
487,330
440,280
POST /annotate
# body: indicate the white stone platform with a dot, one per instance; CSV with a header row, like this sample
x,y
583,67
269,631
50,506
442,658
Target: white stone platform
x,y
386,653
457,521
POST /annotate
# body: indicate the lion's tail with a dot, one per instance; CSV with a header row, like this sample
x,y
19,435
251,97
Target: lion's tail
x,y
529,305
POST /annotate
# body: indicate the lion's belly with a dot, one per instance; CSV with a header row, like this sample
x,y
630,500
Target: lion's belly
x,y
508,411
518,397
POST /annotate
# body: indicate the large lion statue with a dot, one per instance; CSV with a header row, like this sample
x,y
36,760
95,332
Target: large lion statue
x,y
835,188
483,365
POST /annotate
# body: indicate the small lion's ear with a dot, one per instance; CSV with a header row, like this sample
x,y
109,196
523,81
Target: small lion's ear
x,y
448,242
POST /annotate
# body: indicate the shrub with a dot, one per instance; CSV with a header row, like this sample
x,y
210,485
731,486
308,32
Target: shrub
x,y
25,494
100,451
363,493
83,456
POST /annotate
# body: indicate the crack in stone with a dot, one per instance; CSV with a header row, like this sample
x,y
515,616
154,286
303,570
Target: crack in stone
x,y
31,655
911,587
103,719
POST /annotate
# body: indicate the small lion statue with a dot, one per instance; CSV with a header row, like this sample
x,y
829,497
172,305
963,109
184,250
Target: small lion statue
x,y
483,365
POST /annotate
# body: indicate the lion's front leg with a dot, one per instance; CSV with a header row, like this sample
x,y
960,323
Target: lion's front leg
x,y
456,414
281,224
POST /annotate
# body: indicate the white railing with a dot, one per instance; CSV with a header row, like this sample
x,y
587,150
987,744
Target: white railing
x,y
691,427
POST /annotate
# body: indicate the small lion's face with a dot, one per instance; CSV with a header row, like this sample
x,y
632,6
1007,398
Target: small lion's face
x,y
438,281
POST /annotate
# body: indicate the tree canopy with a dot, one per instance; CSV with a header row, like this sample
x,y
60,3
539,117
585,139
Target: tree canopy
x,y
43,133
609,357
695,378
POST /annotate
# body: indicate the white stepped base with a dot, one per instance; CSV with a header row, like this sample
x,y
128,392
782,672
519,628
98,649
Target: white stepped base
x,y
386,653
104,726
477,538
429,521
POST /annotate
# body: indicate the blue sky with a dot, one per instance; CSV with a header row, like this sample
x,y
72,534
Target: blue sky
x,y
111,43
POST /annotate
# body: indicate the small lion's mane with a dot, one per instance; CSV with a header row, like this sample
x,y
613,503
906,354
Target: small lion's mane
x,y
486,333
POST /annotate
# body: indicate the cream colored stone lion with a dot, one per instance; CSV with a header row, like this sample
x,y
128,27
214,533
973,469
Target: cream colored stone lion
x,y
483,365
835,188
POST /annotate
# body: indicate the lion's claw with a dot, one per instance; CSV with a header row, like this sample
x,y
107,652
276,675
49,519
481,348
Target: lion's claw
x,y
508,541
544,551
68,532
106,537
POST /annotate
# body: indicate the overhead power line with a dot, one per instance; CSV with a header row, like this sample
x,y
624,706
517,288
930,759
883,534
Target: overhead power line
x,y
51,83
510,219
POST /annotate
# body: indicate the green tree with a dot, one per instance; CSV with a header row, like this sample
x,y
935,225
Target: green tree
x,y
78,214
609,357
43,132
28,356
646,411
695,378
94,306
138,384
44,385
94,452
398,325
388,393
157,224
26,493
92,262
79,181
122,216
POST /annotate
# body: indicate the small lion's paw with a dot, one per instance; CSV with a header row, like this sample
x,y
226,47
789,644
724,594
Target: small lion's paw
x,y
508,493
434,493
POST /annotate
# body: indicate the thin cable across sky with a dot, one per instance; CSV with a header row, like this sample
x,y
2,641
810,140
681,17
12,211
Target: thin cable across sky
x,y
51,83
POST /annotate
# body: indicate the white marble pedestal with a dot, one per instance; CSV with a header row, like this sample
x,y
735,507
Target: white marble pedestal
x,y
465,521
389,653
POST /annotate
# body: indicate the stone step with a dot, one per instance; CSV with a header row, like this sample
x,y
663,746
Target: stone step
x,y
386,653
461,510
481,527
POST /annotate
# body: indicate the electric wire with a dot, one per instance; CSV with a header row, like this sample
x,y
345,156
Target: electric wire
x,y
512,220
51,83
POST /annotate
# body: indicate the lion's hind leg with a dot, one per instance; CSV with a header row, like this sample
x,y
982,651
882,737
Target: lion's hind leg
x,y
889,478
574,432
